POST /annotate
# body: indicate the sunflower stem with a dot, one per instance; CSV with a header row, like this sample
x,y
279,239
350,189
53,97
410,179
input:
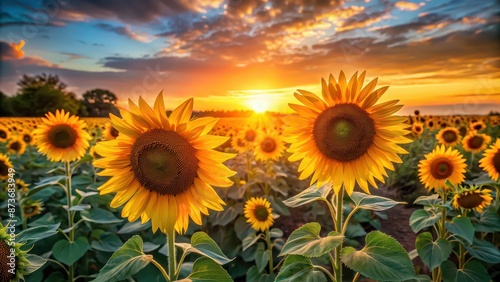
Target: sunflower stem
x,y
21,209
70,216
339,227
172,263
268,172
162,270
270,248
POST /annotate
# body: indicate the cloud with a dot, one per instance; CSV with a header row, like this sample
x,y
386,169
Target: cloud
x,y
126,31
73,56
408,6
9,51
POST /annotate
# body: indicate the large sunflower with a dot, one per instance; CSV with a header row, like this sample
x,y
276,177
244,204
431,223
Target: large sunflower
x,y
449,136
259,213
472,198
439,165
62,137
16,146
11,269
5,164
346,137
269,146
163,168
475,142
491,161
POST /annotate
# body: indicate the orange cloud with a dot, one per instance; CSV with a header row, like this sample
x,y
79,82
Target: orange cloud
x,y
408,6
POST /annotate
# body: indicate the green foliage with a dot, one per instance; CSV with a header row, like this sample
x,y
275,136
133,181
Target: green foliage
x,y
299,268
372,202
432,253
473,271
462,226
70,252
205,270
382,258
99,103
423,218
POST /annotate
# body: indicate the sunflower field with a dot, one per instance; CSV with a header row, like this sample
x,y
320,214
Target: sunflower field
x,y
150,196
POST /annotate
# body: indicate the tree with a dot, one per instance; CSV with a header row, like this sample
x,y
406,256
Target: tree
x,y
5,109
40,94
99,102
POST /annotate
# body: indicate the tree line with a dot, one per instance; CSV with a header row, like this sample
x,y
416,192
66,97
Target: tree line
x,y
42,93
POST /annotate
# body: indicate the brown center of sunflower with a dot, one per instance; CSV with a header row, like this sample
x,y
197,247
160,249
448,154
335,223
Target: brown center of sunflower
x,y
475,142
496,161
261,213
5,275
418,128
430,124
3,134
30,210
250,135
441,168
450,136
16,146
344,132
470,201
164,162
27,138
113,132
4,169
478,126
62,136
268,145
462,130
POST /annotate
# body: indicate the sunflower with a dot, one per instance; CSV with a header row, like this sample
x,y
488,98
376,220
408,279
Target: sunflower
x,y
238,143
32,207
269,146
346,137
449,136
430,124
250,135
22,186
439,165
417,128
163,168
491,161
472,198
110,133
4,133
259,213
16,146
11,269
5,165
475,142
477,126
27,137
61,137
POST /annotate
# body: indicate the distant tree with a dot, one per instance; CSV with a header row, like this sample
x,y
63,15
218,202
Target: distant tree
x,y
5,109
40,94
98,103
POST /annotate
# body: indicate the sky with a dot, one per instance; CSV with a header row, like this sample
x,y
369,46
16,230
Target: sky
x,y
441,57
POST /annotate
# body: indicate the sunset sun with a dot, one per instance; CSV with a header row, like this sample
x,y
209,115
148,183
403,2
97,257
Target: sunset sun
x,y
258,104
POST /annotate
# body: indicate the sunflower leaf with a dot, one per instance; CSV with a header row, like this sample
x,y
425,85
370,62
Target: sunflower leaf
x,y
306,241
125,262
299,268
251,239
461,226
432,253
262,257
309,195
371,202
202,244
204,270
34,234
484,251
473,271
101,216
35,262
69,252
420,219
382,258
253,275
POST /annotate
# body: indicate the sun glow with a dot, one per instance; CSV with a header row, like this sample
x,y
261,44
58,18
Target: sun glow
x,y
258,104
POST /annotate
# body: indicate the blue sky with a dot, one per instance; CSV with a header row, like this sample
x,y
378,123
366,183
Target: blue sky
x,y
434,54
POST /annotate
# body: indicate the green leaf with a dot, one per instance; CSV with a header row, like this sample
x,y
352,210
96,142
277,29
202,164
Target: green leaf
x,y
382,258
278,206
125,262
225,217
371,202
299,268
262,257
34,234
84,194
484,251
35,262
202,244
473,271
306,241
100,216
251,239
67,252
428,200
461,226
108,242
206,270
420,219
253,275
309,195
276,233
132,227
489,221
45,183
432,253
80,207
